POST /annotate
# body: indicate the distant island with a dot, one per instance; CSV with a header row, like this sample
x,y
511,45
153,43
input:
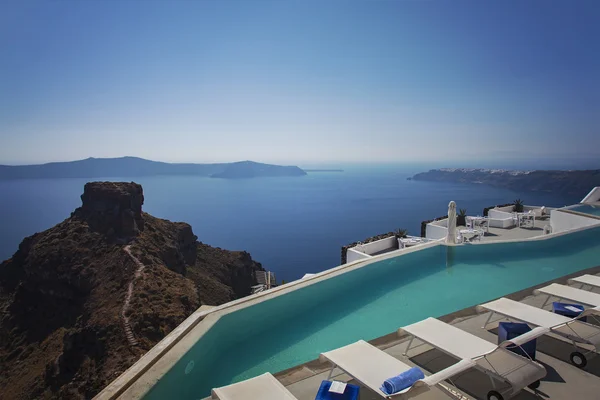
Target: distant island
x,y
575,182
136,167
323,170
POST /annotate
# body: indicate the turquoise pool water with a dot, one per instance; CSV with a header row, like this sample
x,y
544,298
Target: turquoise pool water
x,y
587,209
367,303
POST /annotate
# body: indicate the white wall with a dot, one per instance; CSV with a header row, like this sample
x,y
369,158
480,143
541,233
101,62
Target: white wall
x,y
353,255
441,222
509,209
501,223
378,245
497,214
564,221
433,231
593,196
500,219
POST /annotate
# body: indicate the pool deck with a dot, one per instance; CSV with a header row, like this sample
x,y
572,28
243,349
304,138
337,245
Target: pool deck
x,y
496,234
516,233
563,380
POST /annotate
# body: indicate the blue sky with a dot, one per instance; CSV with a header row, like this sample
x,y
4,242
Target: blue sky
x,y
299,81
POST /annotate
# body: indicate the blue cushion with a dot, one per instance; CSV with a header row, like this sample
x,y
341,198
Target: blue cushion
x,y
561,309
400,382
351,392
510,330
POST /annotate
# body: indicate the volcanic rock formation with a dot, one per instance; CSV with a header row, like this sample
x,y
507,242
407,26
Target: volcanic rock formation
x,y
76,308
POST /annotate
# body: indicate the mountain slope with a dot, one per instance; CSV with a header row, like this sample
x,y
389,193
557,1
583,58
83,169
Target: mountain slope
x,y
63,319
575,182
133,166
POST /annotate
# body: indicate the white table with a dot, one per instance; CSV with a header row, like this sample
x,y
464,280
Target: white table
x,y
526,220
482,222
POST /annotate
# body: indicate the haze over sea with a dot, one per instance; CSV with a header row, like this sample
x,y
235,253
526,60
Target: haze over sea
x,y
292,225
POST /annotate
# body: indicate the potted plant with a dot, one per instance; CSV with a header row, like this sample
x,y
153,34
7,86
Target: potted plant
x,y
461,218
400,233
518,207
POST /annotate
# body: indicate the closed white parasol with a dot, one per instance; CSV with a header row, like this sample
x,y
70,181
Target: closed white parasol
x,y
451,238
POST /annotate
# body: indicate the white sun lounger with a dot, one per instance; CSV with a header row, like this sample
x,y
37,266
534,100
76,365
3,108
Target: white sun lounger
x,y
495,361
263,387
593,281
371,367
569,293
577,332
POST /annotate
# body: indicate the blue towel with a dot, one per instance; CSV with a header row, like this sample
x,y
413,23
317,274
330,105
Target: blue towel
x,y
402,381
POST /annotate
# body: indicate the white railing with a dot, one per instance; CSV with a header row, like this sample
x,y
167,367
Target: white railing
x,y
593,196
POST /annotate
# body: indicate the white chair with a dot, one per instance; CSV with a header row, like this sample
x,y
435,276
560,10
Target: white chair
x,y
515,218
593,281
569,293
481,233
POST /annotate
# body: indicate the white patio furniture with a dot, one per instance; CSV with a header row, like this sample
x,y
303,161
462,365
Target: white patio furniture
x,y
515,217
478,222
470,234
569,293
526,219
411,241
577,332
371,367
593,281
493,360
459,238
263,387
540,212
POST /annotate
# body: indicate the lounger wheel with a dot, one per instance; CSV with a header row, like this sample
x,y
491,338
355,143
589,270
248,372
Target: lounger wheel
x,y
534,385
578,359
493,395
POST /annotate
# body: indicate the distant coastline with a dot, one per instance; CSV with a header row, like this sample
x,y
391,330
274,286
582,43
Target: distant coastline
x,y
136,167
574,182
323,170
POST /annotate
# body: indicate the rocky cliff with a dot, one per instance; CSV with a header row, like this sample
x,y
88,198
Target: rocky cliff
x,y
82,301
575,182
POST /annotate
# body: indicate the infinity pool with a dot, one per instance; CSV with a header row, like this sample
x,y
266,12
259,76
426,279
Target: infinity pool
x,y
367,303
587,209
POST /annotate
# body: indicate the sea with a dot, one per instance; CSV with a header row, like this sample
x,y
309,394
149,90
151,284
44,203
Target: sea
x,y
292,225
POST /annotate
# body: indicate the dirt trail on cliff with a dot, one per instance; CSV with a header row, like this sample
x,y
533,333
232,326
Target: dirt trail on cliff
x,y
138,273
79,305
